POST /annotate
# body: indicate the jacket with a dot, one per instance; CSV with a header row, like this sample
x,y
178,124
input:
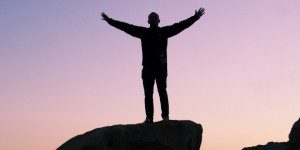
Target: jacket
x,y
154,39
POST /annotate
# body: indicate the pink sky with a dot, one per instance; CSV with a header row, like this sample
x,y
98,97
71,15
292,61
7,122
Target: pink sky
x,y
236,71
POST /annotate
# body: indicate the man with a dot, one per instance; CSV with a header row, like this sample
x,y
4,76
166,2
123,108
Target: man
x,y
154,45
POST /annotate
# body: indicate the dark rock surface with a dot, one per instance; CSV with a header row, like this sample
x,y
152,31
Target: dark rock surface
x,y
294,137
163,135
270,146
292,144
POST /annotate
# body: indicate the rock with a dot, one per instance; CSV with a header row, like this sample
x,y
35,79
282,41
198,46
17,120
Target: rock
x,y
163,135
270,146
294,137
292,144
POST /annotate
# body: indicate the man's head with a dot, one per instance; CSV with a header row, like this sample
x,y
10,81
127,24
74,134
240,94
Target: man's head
x,y
153,19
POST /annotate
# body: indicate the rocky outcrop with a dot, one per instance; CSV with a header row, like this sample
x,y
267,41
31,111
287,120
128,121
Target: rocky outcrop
x,y
270,146
292,144
294,137
163,135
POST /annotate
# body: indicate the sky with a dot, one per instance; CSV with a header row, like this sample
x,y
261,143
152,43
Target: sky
x,y
64,71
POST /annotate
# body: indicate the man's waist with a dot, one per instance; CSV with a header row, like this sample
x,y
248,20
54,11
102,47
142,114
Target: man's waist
x,y
155,60
154,63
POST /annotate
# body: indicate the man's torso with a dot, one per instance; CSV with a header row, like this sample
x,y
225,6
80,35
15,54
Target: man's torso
x,y
154,46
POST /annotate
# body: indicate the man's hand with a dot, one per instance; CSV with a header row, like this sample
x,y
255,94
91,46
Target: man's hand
x,y
200,12
104,16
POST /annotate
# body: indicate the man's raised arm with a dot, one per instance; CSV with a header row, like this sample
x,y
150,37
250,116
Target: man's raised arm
x,y
133,30
178,27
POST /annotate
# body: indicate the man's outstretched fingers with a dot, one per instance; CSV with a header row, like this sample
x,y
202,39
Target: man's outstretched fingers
x,y
201,11
104,16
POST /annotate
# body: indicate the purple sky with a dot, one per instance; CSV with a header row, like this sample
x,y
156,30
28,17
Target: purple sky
x,y
64,71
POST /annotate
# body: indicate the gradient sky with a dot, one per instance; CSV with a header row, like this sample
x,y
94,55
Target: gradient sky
x,y
64,71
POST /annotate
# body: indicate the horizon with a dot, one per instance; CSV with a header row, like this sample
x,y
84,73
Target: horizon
x,y
235,71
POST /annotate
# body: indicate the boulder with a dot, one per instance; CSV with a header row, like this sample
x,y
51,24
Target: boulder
x,y
292,144
270,146
163,135
294,136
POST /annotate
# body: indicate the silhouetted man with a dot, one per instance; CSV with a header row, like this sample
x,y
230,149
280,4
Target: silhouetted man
x,y
154,45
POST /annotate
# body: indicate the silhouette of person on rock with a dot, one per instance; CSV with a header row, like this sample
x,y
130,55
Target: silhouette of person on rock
x,y
154,49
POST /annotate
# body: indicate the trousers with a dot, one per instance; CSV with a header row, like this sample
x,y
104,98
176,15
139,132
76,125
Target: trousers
x,y
150,74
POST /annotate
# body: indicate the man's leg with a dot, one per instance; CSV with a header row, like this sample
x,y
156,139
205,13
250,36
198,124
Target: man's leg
x,y
161,81
148,83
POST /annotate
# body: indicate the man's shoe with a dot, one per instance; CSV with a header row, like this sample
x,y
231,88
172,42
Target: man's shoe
x,y
166,118
147,121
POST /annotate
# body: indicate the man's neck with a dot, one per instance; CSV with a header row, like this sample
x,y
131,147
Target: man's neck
x,y
154,26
